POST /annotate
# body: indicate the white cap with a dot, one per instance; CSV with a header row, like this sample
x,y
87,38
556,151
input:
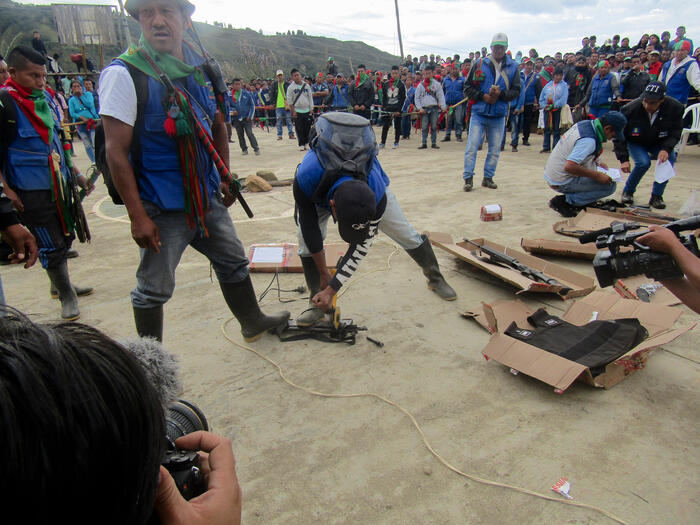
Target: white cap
x,y
279,72
499,39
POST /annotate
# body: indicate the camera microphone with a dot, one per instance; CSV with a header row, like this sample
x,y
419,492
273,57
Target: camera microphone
x,y
161,367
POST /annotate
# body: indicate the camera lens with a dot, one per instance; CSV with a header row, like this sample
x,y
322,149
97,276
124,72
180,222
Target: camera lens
x,y
184,418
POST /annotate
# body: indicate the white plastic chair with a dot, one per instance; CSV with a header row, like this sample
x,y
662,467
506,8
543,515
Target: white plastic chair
x,y
694,126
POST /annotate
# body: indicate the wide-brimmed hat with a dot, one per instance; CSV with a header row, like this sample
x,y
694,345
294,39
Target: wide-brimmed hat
x,y
133,6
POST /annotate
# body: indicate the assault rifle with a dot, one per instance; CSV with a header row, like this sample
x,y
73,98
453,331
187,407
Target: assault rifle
x,y
499,258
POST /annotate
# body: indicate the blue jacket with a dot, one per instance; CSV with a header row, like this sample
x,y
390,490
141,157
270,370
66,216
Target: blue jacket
x,y
559,97
160,174
453,89
477,88
26,165
528,92
245,105
82,107
410,99
678,87
310,172
338,97
601,91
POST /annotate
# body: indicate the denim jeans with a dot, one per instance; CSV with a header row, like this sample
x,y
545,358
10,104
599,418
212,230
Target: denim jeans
x,y
394,224
479,126
155,277
246,126
286,115
455,121
581,191
642,161
88,140
551,133
406,126
515,120
430,116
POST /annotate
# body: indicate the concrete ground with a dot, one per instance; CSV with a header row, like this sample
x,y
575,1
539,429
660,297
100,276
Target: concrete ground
x,y
631,450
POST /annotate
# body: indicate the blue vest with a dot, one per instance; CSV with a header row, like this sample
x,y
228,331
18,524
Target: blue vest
x,y
160,177
310,172
500,108
528,95
586,130
340,97
453,89
678,87
27,157
601,91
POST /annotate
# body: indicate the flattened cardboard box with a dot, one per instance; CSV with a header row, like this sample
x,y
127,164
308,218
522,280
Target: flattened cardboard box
x,y
593,219
560,372
573,249
270,258
627,288
580,284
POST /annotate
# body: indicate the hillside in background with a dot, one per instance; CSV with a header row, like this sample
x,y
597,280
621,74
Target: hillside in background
x,y
241,52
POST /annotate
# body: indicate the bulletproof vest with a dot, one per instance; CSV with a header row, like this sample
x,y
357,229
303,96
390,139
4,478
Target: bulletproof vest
x,y
594,345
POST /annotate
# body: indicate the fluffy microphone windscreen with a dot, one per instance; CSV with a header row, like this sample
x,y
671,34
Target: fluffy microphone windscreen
x,y
161,367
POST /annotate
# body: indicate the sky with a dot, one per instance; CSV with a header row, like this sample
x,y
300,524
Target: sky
x,y
446,27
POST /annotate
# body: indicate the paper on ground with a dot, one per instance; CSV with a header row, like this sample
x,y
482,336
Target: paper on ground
x,y
268,254
663,172
613,173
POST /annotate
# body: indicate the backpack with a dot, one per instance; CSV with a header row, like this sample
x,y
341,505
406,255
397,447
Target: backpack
x,y
141,86
345,144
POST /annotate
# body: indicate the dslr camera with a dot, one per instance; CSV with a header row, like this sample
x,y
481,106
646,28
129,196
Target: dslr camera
x,y
183,418
622,256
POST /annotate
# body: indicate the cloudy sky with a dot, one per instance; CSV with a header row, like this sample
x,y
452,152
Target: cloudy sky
x,y
455,26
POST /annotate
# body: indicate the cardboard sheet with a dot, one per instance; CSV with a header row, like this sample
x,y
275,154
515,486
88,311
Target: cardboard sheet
x,y
572,249
561,373
592,219
580,284
272,258
627,288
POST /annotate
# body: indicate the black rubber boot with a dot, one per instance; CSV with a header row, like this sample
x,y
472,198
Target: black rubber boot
x,y
425,257
241,300
149,322
312,314
79,291
69,300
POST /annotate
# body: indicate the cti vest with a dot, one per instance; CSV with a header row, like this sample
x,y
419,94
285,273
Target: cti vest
x,y
160,174
678,86
601,91
500,108
27,157
310,172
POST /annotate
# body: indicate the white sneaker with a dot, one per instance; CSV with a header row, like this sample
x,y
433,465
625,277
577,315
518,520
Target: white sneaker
x,y
395,146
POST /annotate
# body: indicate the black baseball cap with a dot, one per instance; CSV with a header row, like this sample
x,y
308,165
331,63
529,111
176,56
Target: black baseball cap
x,y
355,207
654,91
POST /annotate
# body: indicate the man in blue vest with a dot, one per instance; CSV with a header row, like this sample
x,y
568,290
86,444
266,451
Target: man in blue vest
x,y
360,207
529,96
242,112
680,73
454,87
36,170
603,90
338,98
492,83
173,191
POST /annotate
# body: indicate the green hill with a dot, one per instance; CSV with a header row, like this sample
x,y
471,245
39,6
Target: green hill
x,y
241,52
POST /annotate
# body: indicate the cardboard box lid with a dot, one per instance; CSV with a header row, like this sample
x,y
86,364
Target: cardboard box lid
x,y
282,257
560,372
579,284
573,249
592,219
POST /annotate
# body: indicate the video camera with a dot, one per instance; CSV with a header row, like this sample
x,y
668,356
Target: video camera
x,y
184,418
639,259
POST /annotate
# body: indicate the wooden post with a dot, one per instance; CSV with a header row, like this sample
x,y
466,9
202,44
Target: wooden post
x,y
84,59
102,58
398,26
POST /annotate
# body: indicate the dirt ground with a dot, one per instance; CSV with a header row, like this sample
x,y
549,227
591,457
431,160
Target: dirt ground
x,y
631,450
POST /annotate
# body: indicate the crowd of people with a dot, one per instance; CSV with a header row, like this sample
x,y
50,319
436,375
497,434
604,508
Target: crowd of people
x,y
167,147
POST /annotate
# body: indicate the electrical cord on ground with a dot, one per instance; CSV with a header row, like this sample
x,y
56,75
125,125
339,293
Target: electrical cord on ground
x,y
427,444
276,278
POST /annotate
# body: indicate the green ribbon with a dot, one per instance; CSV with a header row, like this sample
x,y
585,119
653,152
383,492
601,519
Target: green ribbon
x,y
43,110
599,131
171,66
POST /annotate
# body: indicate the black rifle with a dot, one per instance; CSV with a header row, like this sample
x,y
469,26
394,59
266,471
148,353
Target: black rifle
x,y
497,257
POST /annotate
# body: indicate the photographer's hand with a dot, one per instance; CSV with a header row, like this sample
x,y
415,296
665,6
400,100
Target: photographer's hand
x,y
220,504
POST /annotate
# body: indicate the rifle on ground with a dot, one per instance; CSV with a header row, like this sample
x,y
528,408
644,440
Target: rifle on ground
x,y
496,257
